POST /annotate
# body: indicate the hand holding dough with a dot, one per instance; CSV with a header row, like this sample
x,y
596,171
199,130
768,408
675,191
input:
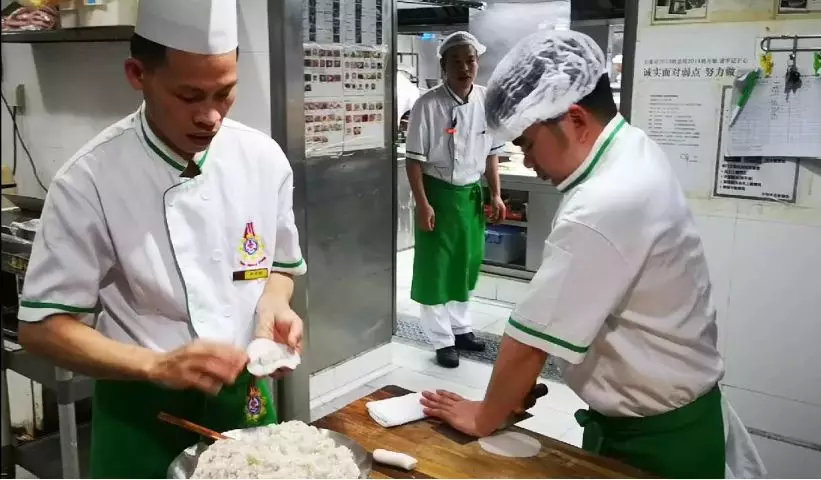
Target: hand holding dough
x,y
266,357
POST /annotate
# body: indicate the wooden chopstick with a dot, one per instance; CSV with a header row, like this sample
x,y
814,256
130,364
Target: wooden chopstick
x,y
191,426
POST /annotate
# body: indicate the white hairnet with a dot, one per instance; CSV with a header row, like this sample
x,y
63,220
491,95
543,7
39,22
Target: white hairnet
x,y
539,79
461,38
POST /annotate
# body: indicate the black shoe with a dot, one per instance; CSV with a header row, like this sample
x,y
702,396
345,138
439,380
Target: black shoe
x,y
469,342
447,357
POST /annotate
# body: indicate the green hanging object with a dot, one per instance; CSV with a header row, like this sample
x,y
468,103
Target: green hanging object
x,y
816,63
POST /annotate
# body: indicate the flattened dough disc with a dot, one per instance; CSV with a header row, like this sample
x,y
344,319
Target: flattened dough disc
x,y
511,444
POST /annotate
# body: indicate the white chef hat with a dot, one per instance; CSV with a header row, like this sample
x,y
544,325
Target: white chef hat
x,y
207,27
540,78
461,38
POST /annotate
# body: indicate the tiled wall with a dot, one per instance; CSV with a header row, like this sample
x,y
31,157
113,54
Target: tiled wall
x,y
74,90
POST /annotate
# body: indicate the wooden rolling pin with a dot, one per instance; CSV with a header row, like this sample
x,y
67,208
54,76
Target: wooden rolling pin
x,y
191,427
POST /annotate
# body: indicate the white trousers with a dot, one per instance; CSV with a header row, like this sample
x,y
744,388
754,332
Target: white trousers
x,y
443,322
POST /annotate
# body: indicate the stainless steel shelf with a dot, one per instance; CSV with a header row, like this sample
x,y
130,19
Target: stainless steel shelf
x,y
515,223
507,270
90,34
42,457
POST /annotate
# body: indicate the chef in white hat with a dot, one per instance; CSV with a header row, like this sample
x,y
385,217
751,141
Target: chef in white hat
x,y
449,148
167,244
623,295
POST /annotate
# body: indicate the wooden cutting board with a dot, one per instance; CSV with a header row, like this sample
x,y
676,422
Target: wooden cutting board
x,y
444,453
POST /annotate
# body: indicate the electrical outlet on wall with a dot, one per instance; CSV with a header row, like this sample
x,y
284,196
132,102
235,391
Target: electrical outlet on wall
x,y
19,99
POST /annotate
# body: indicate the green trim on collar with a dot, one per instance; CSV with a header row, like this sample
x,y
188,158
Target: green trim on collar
x,y
165,156
548,338
288,265
56,306
600,153
456,97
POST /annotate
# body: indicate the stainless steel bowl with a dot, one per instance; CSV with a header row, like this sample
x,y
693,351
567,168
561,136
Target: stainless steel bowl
x,y
186,462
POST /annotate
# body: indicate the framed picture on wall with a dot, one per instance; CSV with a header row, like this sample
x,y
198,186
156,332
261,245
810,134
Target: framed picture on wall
x,y
680,10
798,6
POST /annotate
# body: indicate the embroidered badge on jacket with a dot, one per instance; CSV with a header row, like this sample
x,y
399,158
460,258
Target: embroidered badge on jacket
x,y
252,249
255,405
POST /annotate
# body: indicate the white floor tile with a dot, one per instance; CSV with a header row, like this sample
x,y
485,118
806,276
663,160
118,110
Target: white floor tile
x,y
485,287
407,307
470,373
573,436
412,357
493,309
511,291
560,397
783,460
418,382
482,320
550,423
496,328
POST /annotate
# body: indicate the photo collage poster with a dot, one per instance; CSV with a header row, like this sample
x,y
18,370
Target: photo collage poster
x,y
344,76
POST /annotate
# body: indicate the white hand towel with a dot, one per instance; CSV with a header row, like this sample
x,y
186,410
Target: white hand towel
x,y
397,411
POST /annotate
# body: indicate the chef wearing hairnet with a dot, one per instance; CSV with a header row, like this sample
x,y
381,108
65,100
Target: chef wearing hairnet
x,y
449,147
623,295
167,244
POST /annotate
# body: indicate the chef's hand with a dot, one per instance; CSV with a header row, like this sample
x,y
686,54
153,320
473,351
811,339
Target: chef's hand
x,y
498,209
202,365
458,412
282,325
426,217
464,415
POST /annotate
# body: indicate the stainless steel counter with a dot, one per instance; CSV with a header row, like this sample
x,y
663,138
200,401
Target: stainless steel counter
x,y
62,454
542,201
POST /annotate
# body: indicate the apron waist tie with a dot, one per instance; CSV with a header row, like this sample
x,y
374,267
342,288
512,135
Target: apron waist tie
x,y
590,420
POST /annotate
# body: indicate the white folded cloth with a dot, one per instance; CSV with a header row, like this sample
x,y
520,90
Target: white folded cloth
x,y
397,411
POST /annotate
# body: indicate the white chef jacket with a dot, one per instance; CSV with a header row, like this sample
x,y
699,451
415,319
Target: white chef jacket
x,y
450,137
623,293
406,95
153,254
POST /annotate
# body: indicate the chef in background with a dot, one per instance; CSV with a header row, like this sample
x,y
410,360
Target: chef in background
x,y
623,295
449,148
406,94
167,244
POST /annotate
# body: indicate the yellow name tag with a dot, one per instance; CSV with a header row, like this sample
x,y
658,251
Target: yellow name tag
x,y
255,274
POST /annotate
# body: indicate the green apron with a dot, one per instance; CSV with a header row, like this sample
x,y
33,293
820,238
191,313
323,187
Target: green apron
x,y
128,441
684,443
447,260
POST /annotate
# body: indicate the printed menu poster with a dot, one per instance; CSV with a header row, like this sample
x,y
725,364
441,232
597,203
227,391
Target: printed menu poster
x,y
323,70
363,22
799,6
364,123
324,127
364,71
321,21
686,10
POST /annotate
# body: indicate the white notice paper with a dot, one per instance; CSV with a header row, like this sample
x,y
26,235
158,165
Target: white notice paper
x,y
683,119
764,178
773,124
768,178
